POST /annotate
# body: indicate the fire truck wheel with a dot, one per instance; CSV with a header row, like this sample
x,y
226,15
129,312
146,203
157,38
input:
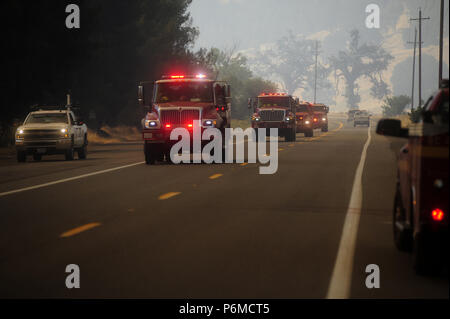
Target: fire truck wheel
x,y
425,257
37,157
149,155
325,129
167,156
21,156
402,236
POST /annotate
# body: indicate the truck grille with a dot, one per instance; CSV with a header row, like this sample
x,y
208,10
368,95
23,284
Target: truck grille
x,y
176,117
271,115
41,134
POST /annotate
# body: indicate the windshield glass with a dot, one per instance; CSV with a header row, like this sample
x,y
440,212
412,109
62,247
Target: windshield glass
x,y
318,108
273,101
184,92
302,108
47,118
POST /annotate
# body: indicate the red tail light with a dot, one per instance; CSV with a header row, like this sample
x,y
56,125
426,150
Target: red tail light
x,y
437,214
190,125
168,126
177,76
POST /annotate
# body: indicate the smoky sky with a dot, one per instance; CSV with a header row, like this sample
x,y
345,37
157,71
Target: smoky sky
x,y
250,23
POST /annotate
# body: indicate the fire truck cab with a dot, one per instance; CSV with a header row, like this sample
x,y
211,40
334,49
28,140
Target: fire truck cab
x,y
420,214
304,115
275,110
320,119
178,101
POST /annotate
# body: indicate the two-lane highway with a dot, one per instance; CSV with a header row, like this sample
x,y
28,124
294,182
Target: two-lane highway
x,y
206,231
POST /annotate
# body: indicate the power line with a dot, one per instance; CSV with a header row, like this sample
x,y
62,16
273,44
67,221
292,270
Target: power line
x,y
420,52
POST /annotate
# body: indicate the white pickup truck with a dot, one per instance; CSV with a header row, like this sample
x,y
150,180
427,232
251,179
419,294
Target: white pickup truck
x,y
361,117
51,131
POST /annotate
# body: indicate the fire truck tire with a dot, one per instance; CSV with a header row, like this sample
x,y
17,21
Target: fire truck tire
x,y
149,155
402,236
37,157
21,156
309,133
325,129
426,259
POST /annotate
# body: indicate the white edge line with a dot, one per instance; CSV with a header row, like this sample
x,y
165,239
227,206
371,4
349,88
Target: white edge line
x,y
67,179
340,283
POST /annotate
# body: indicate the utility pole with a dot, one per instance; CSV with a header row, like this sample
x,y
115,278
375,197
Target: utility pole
x,y
441,36
315,72
420,53
414,69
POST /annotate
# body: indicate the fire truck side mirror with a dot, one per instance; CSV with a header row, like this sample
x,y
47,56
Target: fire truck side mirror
x,y
391,127
141,96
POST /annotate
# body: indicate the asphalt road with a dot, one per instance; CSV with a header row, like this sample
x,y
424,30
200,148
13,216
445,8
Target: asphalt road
x,y
206,231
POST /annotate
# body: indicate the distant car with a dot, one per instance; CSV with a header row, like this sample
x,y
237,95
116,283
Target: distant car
x,y
420,215
50,131
351,114
361,118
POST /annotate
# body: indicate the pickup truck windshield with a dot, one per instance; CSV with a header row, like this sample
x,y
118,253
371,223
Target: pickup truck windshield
x,y
184,92
273,101
47,118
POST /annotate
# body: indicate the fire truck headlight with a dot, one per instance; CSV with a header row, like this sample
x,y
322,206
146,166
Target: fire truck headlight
x,y
306,122
209,123
324,119
151,124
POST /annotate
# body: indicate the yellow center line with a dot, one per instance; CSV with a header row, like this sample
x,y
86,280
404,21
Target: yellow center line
x,y
215,176
168,195
78,230
243,164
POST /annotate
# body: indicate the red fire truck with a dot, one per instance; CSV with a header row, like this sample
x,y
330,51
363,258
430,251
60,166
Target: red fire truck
x,y
304,115
178,101
420,215
275,110
320,119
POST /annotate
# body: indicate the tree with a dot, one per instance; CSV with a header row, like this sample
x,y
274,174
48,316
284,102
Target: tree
x,y
361,60
227,66
395,105
292,61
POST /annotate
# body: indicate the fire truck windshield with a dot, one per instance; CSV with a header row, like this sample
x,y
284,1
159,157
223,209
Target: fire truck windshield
x,y
273,101
184,92
302,108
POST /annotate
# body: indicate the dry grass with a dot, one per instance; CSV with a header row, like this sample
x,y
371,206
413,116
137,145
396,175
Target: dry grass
x,y
111,135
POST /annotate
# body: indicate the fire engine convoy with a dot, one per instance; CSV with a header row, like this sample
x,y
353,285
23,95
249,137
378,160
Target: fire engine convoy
x,y
178,101
51,130
275,110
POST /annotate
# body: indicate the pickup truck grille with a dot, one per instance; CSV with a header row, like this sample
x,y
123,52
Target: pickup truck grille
x,y
41,134
271,115
176,117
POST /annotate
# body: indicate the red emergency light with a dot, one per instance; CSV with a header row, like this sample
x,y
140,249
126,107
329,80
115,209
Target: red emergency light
x,y
177,76
273,94
200,76
437,214
168,126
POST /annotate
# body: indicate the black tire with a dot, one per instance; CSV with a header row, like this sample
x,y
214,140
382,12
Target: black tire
x,y
309,133
150,159
402,235
70,153
426,259
294,134
82,151
354,124
288,136
325,129
37,157
21,156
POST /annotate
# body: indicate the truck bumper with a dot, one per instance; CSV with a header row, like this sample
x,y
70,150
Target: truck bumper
x,y
57,146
